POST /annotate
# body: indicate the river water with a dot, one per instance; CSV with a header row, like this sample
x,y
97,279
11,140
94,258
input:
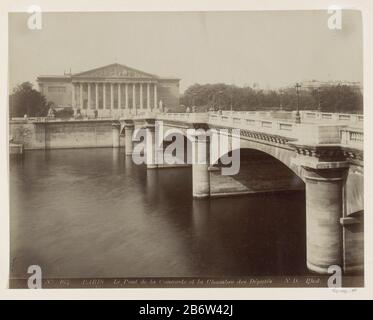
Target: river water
x,y
93,213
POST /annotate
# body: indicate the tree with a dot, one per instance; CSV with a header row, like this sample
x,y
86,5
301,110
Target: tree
x,y
333,98
26,100
340,98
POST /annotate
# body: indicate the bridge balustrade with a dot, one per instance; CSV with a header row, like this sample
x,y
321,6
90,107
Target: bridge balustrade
x,y
250,123
315,128
328,116
310,133
352,137
306,116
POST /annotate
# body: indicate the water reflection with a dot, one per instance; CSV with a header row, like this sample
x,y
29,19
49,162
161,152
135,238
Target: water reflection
x,y
93,213
151,186
201,213
116,158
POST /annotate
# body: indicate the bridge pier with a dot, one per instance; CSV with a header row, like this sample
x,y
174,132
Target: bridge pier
x,y
128,132
324,210
116,134
151,147
200,166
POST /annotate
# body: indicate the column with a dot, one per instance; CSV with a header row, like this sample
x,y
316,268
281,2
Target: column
x,y
119,97
134,97
324,209
150,146
200,165
73,102
111,96
148,96
104,95
81,95
128,133
89,96
126,93
116,134
155,96
96,93
141,105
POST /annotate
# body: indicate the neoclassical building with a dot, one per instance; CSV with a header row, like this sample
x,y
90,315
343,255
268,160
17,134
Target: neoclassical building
x,y
112,90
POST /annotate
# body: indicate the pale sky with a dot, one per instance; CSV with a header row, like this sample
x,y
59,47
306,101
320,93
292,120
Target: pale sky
x,y
271,48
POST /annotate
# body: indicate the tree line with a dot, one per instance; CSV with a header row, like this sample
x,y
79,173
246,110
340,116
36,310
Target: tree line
x,y
25,100
327,98
337,98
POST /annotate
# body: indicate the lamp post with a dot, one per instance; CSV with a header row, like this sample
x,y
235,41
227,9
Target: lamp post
x,y
297,115
319,100
220,93
281,93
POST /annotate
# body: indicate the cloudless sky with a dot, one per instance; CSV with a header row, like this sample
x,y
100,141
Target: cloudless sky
x,y
270,48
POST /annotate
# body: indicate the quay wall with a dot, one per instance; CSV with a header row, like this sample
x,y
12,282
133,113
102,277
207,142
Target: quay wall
x,y
62,134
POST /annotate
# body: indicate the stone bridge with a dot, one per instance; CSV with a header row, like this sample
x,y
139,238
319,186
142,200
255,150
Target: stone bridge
x,y
323,155
324,151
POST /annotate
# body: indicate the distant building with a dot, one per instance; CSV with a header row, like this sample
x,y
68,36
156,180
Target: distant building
x,y
110,90
318,84
314,84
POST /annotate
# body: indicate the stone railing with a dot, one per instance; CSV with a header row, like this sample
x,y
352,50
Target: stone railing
x,y
28,119
352,137
46,119
345,129
328,116
305,116
248,122
321,133
186,117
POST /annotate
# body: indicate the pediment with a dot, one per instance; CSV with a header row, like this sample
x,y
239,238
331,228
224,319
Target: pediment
x,y
114,71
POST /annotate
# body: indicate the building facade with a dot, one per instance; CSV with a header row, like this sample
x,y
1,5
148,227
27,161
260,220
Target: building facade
x,y
315,84
112,90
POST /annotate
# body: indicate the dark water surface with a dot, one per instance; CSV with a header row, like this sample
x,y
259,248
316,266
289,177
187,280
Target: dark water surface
x,y
93,213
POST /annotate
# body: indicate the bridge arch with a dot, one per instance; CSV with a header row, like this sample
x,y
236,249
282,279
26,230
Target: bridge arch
x,y
258,172
284,154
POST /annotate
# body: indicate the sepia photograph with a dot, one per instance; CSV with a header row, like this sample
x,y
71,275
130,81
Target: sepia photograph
x,y
186,149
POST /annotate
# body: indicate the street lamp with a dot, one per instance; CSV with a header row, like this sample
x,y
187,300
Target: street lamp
x,y
297,115
319,100
281,93
220,93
